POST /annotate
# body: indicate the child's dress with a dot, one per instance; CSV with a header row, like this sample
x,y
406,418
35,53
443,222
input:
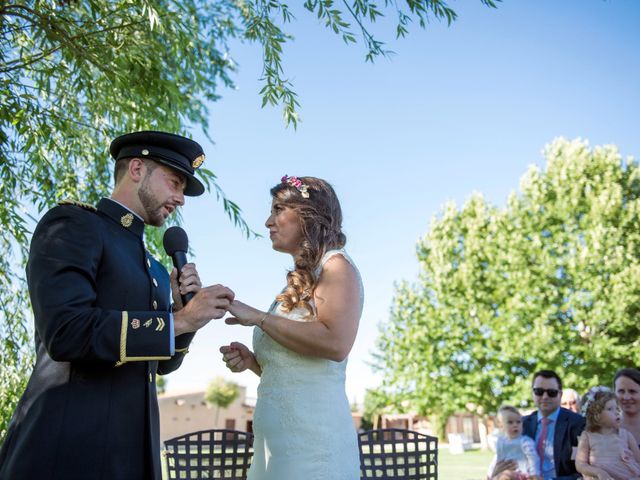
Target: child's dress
x,y
521,450
611,453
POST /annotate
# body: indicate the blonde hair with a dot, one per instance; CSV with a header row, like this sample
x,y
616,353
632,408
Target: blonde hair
x,y
503,410
320,219
593,404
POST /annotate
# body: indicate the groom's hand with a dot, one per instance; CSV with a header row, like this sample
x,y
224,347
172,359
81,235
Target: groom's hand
x,y
209,303
187,282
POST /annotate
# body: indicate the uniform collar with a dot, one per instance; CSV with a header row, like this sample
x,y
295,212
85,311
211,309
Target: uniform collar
x,y
122,216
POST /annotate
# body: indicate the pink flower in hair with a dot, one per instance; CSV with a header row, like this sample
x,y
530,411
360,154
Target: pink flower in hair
x,y
297,184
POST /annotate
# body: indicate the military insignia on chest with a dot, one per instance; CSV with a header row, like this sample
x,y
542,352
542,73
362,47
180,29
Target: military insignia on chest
x,y
126,220
135,323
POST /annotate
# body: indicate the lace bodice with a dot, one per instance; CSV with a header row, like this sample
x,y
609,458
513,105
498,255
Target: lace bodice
x,y
276,360
302,420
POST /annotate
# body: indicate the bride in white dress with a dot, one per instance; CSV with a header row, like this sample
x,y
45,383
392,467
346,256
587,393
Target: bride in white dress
x,y
302,421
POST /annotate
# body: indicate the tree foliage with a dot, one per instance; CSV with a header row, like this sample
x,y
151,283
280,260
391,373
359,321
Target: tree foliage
x,y
161,384
550,280
221,393
76,73
375,404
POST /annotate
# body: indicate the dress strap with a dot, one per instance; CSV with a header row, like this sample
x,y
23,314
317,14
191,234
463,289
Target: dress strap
x,y
332,253
329,254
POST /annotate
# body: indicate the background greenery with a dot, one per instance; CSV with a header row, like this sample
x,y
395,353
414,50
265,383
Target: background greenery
x,y
221,393
549,281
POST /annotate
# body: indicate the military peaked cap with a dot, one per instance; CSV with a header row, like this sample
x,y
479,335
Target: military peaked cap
x,y
175,151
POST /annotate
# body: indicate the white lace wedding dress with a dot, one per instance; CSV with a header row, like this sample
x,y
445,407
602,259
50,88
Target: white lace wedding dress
x,y
302,421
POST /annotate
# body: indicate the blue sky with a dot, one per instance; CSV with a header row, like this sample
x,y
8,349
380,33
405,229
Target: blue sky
x,y
457,110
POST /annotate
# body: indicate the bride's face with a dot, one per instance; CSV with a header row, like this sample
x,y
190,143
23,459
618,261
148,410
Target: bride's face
x,y
284,228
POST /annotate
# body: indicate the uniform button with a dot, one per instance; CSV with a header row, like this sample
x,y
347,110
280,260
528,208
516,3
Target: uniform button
x,y
148,263
155,282
150,378
155,305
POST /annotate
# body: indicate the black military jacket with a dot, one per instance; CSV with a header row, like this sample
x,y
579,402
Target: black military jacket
x,y
102,331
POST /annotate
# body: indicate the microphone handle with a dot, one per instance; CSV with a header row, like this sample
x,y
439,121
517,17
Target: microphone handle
x,y
179,261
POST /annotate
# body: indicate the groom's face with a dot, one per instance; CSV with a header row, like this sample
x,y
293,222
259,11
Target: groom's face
x,y
160,193
284,228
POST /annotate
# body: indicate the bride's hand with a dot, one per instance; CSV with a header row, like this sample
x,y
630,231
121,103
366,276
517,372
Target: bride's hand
x,y
243,314
238,357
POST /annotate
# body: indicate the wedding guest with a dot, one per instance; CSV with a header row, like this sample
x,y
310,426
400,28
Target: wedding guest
x,y
570,400
512,446
626,384
605,451
554,429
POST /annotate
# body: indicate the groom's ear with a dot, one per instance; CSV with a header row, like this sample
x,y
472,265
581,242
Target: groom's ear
x,y
136,169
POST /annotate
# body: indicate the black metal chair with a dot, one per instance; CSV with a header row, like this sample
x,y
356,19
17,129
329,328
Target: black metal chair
x,y
397,454
209,454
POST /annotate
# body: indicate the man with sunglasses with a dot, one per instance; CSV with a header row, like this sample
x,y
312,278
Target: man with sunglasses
x,y
554,429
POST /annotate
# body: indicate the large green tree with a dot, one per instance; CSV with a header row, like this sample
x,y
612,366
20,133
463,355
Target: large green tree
x,y
76,73
550,280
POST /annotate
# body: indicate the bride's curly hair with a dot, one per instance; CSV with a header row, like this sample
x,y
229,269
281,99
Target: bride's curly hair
x,y
320,219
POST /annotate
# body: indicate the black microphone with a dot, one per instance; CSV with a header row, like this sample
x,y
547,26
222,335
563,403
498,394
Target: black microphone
x,y
176,244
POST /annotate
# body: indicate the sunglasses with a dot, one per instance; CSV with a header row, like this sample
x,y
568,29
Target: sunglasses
x,y
551,392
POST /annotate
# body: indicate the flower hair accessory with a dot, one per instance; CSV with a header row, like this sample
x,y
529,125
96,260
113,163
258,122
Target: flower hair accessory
x,y
297,184
590,397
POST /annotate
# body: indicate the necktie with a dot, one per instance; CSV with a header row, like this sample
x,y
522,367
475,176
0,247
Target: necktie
x,y
542,439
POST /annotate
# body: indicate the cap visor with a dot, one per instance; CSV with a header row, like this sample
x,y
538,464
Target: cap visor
x,y
194,187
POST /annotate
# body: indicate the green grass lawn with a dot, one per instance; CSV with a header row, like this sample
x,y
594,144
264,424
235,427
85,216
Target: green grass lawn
x,y
471,465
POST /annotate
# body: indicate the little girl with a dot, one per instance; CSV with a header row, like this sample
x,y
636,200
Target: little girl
x,y
606,451
515,447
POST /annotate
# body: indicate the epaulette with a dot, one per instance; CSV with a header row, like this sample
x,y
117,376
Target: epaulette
x,y
86,206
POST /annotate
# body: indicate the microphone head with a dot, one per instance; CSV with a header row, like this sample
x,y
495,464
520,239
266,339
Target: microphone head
x,y
175,240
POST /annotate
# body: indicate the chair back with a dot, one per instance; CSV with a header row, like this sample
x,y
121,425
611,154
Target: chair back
x,y
395,454
209,454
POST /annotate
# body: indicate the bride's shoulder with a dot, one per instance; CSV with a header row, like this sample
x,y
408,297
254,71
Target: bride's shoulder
x,y
339,275
337,265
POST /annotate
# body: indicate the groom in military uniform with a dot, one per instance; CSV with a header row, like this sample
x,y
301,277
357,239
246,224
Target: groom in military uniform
x,y
104,326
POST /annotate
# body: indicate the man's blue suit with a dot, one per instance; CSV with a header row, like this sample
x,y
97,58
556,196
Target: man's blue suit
x,y
569,427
